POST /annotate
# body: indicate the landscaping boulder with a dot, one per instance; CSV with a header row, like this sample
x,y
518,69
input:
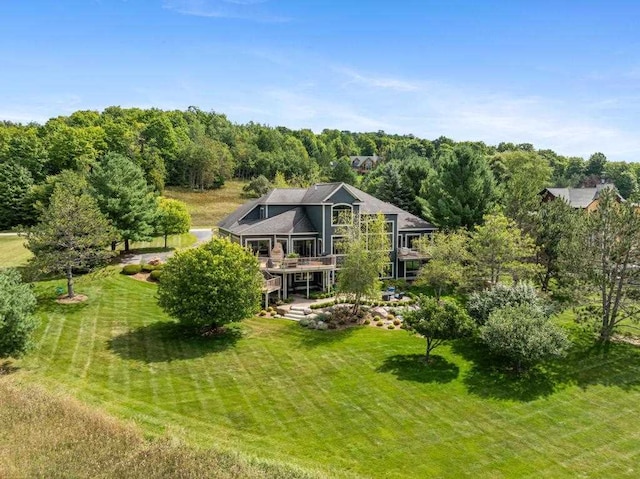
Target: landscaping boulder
x,y
379,312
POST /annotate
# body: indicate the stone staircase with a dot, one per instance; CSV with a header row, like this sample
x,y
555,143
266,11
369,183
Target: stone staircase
x,y
296,313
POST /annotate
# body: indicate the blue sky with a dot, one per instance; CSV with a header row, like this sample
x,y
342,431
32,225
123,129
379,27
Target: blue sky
x,y
559,74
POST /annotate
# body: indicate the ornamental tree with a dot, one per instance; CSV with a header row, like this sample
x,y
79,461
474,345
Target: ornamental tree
x,y
173,218
523,335
438,321
365,245
17,323
211,285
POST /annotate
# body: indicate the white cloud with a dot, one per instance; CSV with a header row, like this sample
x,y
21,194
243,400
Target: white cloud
x,y
238,9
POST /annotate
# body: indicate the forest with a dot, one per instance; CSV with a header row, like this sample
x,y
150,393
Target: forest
x,y
201,150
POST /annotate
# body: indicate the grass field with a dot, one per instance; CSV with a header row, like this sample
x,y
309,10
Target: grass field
x,y
12,251
209,207
357,402
55,436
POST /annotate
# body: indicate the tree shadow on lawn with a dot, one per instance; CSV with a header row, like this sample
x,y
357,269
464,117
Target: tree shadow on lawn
x,y
170,341
587,363
413,367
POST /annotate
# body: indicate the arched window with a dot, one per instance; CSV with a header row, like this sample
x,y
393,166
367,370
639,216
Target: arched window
x,y
341,215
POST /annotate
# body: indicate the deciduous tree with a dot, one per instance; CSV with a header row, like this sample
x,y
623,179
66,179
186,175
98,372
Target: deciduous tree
x,y
438,321
448,254
523,335
173,218
211,285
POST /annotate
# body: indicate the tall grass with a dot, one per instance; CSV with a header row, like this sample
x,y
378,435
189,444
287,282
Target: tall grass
x,y
53,436
209,207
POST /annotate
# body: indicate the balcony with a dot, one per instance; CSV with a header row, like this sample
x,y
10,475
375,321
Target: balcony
x,y
296,265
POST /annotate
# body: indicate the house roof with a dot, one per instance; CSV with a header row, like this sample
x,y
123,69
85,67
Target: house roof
x,y
579,197
296,220
357,161
290,222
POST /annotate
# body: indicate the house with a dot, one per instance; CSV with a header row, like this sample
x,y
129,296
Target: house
x,y
364,163
306,222
579,198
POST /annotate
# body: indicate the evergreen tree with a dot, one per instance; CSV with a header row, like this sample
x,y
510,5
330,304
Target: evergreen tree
x,y
17,324
122,194
72,234
15,205
462,190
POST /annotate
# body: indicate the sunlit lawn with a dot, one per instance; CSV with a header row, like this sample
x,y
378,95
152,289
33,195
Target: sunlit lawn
x,y
358,402
209,207
12,251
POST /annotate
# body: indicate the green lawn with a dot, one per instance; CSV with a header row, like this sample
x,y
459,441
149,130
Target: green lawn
x,y
354,402
12,251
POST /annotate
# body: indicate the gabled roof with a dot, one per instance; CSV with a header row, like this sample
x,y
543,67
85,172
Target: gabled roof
x,y
296,220
357,161
289,222
579,197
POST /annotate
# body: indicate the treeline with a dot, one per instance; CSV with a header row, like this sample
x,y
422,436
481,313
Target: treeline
x,y
201,150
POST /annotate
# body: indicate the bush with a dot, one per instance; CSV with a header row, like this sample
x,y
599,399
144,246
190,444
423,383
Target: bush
x,y
304,322
396,322
524,335
321,325
391,326
147,268
332,326
367,321
131,269
380,323
262,313
156,275
482,304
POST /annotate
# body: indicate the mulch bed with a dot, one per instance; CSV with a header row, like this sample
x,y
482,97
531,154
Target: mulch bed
x,y
78,298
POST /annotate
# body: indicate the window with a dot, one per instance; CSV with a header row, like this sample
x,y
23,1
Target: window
x,y
261,247
341,215
411,241
304,247
411,268
388,229
263,213
337,245
388,271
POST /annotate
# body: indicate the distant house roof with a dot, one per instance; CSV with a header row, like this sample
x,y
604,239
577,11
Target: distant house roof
x,y
578,197
358,161
296,220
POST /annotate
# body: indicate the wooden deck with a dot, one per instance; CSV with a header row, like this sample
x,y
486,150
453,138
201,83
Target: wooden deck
x,y
297,265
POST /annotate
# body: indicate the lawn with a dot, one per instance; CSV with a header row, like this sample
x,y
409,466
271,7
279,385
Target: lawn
x,y
12,251
209,207
358,402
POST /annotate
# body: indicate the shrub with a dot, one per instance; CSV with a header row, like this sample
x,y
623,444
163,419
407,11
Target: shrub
x,y
270,309
391,326
332,325
147,268
380,323
131,269
156,275
312,324
524,335
321,325
304,322
367,321
262,313
481,304
396,322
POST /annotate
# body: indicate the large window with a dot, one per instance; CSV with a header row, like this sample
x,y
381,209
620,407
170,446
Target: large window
x,y
411,268
304,247
261,247
388,271
388,228
337,245
341,215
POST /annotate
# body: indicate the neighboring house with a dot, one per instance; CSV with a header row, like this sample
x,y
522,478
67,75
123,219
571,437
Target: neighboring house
x,y
305,221
364,163
579,198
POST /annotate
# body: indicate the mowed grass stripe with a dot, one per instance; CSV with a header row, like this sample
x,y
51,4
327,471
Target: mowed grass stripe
x,y
355,400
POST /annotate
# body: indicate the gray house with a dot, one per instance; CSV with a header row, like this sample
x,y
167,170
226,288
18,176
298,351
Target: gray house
x,y
305,221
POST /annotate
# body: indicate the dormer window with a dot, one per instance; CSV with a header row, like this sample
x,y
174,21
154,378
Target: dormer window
x,y
341,215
